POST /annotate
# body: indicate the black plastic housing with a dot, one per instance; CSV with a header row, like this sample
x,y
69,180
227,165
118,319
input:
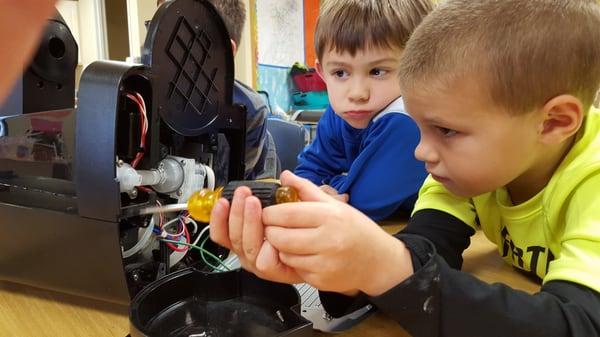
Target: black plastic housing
x,y
229,304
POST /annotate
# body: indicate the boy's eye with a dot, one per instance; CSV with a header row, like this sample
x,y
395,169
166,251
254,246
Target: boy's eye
x,y
446,132
378,72
339,73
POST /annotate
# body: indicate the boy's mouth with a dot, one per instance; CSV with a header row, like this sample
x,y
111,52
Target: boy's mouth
x,y
439,178
358,113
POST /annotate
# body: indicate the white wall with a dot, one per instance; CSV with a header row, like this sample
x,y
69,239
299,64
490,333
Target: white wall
x,y
138,11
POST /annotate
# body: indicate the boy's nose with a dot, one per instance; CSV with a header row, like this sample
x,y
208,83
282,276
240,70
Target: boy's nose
x,y
359,91
425,152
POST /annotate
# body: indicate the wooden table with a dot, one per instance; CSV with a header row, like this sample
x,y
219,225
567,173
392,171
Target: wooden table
x,y
27,311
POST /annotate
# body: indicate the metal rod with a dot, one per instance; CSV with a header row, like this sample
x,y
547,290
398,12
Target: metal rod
x,y
164,209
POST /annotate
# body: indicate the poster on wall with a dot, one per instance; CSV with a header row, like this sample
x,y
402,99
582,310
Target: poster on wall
x,y
280,28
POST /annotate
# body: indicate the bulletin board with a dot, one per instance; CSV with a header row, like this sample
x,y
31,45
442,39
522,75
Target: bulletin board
x,y
283,33
280,29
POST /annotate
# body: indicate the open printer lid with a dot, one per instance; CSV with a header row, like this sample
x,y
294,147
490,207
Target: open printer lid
x,y
190,55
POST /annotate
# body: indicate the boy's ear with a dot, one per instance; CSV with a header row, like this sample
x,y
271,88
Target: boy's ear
x,y
233,46
563,116
319,68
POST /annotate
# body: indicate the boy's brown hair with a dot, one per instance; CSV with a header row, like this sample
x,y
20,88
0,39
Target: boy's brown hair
x,y
352,25
523,52
233,13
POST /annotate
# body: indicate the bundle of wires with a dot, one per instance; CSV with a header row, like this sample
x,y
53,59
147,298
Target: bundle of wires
x,y
221,266
141,105
181,234
182,238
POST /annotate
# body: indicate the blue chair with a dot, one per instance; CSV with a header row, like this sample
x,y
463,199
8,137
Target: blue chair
x,y
289,138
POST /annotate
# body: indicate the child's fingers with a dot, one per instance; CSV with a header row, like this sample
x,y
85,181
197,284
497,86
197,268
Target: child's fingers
x,y
253,230
304,264
236,217
298,214
342,197
219,227
296,240
269,266
307,191
312,270
328,189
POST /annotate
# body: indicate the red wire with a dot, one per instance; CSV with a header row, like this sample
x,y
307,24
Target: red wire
x,y
187,240
144,188
139,101
139,155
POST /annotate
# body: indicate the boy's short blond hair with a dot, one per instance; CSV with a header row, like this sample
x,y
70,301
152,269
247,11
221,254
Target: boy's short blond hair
x,y
522,52
352,25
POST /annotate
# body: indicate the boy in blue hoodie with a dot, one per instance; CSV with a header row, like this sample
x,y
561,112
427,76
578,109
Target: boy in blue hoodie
x,y
364,149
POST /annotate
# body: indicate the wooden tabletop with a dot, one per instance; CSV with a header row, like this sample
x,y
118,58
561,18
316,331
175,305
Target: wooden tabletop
x,y
27,311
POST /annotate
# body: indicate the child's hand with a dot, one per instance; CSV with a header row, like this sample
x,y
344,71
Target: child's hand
x,y
334,193
239,228
332,245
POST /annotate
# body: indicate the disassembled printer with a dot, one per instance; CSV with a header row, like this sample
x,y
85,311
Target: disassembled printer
x,y
73,179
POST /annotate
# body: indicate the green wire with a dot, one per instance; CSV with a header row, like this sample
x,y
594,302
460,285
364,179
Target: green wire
x,y
202,252
222,263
